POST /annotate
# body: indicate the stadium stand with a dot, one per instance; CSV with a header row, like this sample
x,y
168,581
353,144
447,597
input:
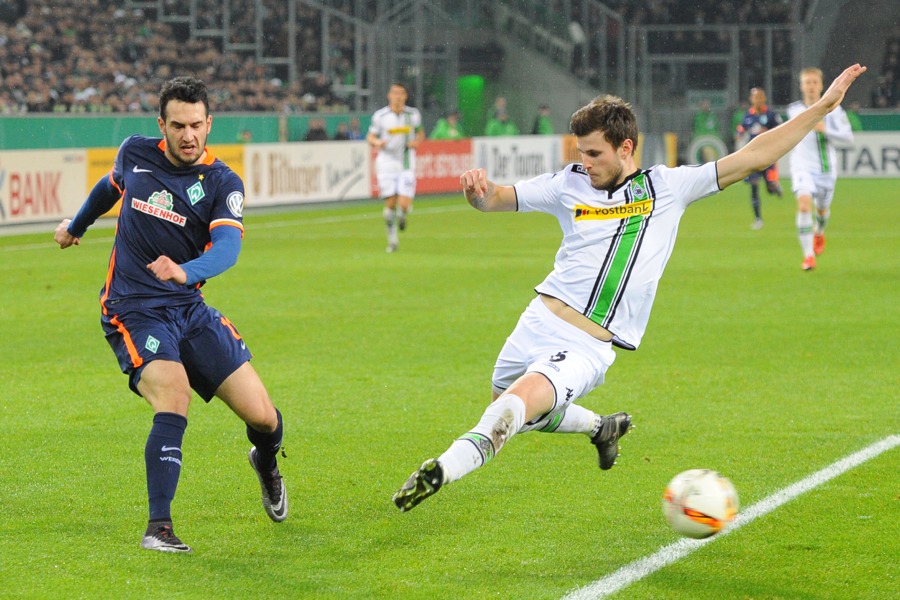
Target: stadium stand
x,y
54,60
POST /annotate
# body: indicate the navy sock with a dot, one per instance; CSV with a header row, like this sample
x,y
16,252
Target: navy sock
x,y
162,454
754,200
267,445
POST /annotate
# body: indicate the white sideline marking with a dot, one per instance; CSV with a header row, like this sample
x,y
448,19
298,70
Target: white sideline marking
x,y
261,226
667,555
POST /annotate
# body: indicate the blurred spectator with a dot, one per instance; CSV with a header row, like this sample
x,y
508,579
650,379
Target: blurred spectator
x,y
706,123
883,94
852,112
542,123
356,130
498,107
342,132
705,120
316,131
448,128
501,124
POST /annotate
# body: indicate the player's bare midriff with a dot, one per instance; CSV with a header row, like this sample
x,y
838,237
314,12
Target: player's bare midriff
x,y
573,317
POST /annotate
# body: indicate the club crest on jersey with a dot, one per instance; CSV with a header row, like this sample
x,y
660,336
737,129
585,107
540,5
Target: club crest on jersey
x,y
152,344
196,193
159,205
235,203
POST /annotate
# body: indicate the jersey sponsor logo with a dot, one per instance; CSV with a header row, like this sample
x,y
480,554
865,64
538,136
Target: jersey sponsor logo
x,y
196,193
235,203
137,169
159,209
152,344
622,211
404,129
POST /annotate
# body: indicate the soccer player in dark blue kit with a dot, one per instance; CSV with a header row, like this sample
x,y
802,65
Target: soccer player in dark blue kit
x,y
757,120
180,224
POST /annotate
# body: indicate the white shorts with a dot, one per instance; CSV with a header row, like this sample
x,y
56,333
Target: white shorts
x,y
819,186
572,360
396,183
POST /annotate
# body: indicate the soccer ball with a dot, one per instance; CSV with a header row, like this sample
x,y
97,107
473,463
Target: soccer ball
x,y
699,503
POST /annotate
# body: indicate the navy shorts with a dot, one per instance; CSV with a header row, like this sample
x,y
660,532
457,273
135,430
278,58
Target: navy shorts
x,y
198,336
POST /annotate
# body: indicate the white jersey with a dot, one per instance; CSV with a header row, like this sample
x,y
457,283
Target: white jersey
x,y
815,154
397,129
615,244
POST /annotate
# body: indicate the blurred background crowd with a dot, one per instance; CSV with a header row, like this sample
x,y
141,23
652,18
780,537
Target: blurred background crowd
x,y
100,56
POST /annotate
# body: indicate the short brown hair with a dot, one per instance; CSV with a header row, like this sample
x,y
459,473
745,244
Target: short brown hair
x,y
812,71
610,115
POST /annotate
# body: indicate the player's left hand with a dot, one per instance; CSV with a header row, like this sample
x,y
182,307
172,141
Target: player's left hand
x,y
835,92
167,269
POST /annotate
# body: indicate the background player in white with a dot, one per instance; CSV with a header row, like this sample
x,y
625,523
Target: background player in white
x,y
814,166
396,130
619,225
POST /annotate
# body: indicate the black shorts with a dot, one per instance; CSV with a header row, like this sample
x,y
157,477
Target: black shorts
x,y
198,336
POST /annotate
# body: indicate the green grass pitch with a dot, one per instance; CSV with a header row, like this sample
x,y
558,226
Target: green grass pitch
x,y
749,366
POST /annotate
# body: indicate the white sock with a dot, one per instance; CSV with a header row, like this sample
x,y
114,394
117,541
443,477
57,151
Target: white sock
x,y
388,215
575,419
805,232
500,421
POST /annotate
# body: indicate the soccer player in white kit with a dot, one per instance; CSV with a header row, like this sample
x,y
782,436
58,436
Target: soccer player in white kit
x,y
814,167
619,224
396,131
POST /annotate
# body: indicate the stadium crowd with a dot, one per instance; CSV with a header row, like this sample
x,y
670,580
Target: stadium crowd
x,y
53,59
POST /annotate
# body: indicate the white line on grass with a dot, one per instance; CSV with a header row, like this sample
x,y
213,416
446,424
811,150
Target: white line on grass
x,y
261,226
667,555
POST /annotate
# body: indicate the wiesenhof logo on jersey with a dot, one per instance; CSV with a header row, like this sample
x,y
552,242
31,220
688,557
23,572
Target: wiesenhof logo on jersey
x,y
159,205
622,211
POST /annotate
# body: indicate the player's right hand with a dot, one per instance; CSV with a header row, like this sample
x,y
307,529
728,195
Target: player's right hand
x,y
474,183
62,236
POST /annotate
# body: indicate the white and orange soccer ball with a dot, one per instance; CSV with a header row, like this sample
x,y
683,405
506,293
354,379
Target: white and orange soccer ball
x,y
699,503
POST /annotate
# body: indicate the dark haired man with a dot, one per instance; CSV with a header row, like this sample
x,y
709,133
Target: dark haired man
x,y
180,224
619,224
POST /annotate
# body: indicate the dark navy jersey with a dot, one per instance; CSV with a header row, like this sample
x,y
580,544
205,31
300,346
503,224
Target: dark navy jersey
x,y
166,211
757,121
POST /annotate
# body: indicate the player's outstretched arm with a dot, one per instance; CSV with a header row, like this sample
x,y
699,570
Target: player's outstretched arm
x,y
766,148
484,194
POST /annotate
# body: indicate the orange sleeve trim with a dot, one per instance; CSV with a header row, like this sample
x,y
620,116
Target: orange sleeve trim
x,y
109,272
114,184
231,222
136,360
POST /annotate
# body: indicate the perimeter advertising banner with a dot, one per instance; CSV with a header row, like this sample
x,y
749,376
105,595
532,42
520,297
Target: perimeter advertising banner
x,y
41,185
300,172
873,154
511,159
439,165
